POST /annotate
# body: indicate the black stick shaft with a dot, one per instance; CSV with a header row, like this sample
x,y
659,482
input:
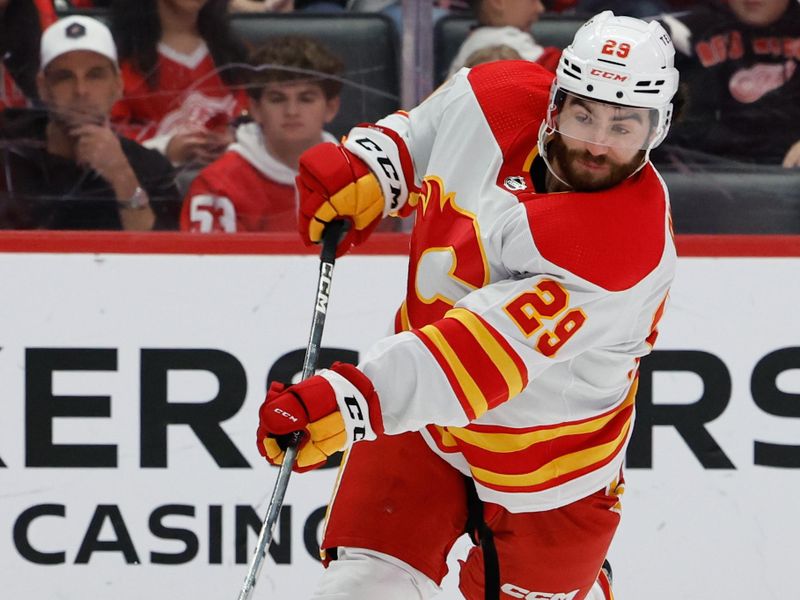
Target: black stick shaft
x,y
327,260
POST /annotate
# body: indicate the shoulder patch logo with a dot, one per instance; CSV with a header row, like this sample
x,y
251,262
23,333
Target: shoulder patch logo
x,y
515,183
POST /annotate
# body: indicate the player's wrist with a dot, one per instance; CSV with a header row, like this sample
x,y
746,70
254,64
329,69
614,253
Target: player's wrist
x,y
357,400
382,157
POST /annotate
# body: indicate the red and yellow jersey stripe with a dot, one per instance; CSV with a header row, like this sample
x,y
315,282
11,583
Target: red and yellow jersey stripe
x,y
481,366
534,459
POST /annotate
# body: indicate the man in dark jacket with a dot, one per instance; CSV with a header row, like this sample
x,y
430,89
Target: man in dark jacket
x,y
63,166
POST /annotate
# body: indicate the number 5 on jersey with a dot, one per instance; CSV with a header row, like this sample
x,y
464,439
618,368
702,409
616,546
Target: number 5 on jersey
x,y
547,301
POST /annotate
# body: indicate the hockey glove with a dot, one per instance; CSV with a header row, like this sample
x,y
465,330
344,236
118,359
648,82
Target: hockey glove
x,y
333,183
333,408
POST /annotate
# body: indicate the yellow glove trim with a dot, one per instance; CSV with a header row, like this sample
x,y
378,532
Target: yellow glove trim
x,y
333,444
327,436
325,213
361,200
329,430
274,452
310,455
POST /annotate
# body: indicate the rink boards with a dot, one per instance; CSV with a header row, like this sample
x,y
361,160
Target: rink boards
x,y
132,373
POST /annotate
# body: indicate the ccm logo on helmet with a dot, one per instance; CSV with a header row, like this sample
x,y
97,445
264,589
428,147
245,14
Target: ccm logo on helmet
x,y
518,592
608,75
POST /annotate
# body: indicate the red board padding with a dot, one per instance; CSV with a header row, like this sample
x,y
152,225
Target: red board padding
x,y
115,242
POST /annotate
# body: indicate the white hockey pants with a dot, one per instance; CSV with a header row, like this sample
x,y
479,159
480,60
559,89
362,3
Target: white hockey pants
x,y
359,574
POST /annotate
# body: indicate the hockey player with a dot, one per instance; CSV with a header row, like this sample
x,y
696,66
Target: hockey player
x,y
540,262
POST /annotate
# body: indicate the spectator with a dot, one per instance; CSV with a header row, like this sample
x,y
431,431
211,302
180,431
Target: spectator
x,y
293,93
739,62
21,24
641,8
178,63
561,6
65,168
490,54
285,6
394,9
261,6
506,23
635,8
82,4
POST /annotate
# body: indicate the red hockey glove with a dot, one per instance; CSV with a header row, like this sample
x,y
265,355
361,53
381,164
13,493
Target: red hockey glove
x,y
334,183
331,408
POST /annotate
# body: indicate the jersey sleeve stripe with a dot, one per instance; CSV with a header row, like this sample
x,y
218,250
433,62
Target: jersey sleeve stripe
x,y
467,391
477,362
487,369
499,351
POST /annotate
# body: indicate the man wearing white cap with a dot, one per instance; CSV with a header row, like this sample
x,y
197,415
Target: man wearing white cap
x,y
92,178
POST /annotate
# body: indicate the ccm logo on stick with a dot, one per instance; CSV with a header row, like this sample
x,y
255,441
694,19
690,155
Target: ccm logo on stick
x,y
324,287
518,592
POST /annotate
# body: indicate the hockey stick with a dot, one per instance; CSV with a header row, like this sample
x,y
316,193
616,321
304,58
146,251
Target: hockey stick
x,y
331,238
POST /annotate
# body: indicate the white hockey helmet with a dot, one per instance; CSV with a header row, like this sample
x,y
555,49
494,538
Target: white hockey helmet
x,y
621,61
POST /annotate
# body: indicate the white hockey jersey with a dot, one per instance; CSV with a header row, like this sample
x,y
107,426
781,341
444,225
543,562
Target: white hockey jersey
x,y
526,312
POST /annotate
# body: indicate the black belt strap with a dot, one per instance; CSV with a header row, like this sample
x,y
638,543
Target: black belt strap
x,y
482,536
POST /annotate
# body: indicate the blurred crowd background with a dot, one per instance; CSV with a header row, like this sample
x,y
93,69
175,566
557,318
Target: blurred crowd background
x,y
192,114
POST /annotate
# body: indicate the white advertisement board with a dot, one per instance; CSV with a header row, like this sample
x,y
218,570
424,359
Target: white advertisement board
x,y
130,390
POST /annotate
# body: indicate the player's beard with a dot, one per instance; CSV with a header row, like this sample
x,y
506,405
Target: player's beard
x,y
582,181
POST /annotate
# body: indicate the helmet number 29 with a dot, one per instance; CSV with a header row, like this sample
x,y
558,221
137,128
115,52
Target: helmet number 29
x,y
614,48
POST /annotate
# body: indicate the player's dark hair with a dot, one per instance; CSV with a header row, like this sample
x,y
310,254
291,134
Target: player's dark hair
x,y
137,31
295,58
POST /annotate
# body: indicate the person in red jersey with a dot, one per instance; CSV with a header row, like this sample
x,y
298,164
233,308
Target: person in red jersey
x,y
741,64
539,267
178,60
294,93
